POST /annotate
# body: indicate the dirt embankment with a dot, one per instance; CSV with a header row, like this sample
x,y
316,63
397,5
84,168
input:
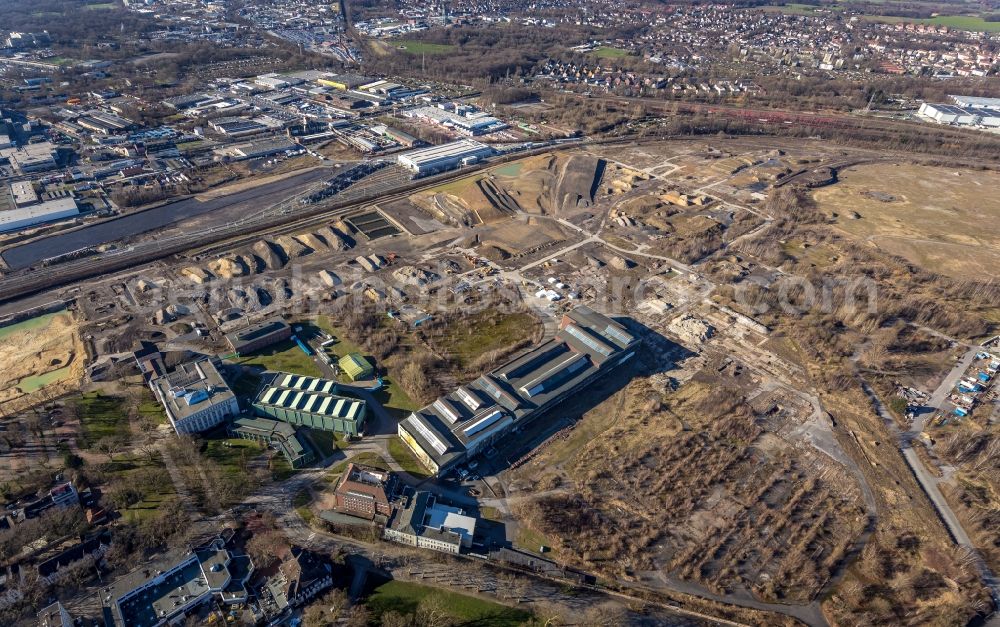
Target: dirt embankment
x,y
43,354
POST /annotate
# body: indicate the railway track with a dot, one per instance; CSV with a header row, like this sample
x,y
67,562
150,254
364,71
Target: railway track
x,y
34,280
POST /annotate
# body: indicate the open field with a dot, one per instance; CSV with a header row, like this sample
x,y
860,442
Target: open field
x,y
483,332
101,417
960,22
406,598
421,47
700,489
945,220
283,357
607,52
40,353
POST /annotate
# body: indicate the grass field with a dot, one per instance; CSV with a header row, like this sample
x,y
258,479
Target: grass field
x,y
530,540
405,598
475,337
367,458
421,47
405,458
960,22
153,497
232,454
607,52
101,417
943,219
283,357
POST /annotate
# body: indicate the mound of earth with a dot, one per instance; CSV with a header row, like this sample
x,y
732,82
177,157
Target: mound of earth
x,y
335,238
196,274
273,257
412,275
312,240
292,247
229,267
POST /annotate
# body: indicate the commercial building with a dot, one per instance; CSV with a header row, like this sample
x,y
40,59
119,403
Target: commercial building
x,y
344,82
961,115
423,522
975,101
356,367
21,207
195,396
263,148
444,157
259,335
277,434
37,157
459,425
166,592
365,491
237,127
310,402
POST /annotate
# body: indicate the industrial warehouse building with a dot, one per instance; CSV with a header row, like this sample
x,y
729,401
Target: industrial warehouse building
x,y
21,207
461,424
310,402
961,115
259,335
444,157
195,396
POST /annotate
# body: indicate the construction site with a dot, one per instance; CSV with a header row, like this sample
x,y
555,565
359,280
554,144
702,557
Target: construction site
x,y
739,458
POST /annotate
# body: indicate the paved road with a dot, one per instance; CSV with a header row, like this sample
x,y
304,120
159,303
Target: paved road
x,y
941,393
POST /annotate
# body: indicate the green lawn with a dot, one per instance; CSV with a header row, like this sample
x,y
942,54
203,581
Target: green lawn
x,y
232,454
366,458
327,442
421,47
530,540
961,22
281,469
301,503
607,52
152,409
125,467
478,335
405,598
246,386
405,458
282,357
100,417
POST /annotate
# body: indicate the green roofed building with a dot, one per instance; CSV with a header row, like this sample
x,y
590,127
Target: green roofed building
x,y
280,435
356,367
310,402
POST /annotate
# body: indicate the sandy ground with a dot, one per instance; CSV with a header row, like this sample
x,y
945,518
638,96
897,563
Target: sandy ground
x,y
37,350
943,219
250,183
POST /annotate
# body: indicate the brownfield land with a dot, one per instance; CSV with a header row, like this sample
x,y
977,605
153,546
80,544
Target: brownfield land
x,y
40,355
945,220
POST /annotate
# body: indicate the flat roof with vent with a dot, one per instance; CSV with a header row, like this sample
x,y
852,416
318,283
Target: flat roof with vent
x,y
588,343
